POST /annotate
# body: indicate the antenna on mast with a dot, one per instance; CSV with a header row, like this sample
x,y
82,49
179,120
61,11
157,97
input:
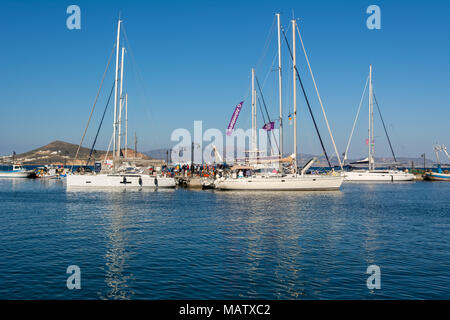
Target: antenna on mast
x,y
116,80
135,145
280,88
294,72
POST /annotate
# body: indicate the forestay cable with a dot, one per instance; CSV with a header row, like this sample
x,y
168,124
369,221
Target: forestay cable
x,y
320,100
385,130
93,107
100,125
307,103
354,122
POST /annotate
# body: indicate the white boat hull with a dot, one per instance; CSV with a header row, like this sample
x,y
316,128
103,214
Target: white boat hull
x,y
299,183
119,180
16,174
382,175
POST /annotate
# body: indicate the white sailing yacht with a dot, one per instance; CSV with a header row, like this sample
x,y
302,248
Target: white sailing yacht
x,y
117,177
372,174
276,182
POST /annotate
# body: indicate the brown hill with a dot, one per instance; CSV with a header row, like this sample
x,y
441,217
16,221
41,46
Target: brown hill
x,y
60,152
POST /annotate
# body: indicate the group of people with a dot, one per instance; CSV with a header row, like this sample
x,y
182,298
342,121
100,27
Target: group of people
x,y
244,173
196,170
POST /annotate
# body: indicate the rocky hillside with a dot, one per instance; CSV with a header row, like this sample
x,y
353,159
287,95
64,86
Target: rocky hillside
x,y
60,152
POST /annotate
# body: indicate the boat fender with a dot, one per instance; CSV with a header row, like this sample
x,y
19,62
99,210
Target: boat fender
x,y
156,181
140,181
124,180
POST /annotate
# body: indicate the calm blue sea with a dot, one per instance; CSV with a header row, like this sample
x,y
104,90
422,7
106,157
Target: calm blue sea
x,y
182,244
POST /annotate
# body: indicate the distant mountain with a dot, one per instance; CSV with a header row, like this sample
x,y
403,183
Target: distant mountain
x,y
321,160
418,162
379,161
160,154
60,152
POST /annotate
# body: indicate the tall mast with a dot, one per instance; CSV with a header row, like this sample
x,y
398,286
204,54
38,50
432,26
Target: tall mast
x,y
120,105
254,138
294,72
135,145
115,91
126,125
279,86
371,147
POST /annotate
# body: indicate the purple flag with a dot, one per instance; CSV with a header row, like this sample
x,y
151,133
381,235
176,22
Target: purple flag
x,y
269,126
234,118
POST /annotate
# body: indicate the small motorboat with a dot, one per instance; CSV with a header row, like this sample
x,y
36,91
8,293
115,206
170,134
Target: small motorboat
x,y
208,183
18,171
51,172
440,175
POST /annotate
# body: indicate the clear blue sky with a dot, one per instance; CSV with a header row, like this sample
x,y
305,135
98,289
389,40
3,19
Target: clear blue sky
x,y
191,60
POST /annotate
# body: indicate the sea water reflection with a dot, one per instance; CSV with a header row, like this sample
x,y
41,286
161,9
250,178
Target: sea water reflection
x,y
182,244
269,228
117,277
119,220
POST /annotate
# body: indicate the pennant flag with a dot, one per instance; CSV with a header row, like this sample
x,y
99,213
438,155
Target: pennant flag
x,y
269,126
234,118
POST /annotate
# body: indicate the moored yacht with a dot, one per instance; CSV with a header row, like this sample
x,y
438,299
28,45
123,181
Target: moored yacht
x,y
115,174
378,175
278,180
119,180
373,174
292,182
